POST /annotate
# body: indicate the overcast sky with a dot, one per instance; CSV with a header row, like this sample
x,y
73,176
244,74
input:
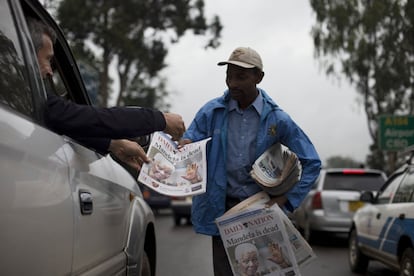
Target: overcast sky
x,y
327,110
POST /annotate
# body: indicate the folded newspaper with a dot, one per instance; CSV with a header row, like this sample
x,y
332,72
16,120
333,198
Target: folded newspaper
x,y
277,170
173,171
264,237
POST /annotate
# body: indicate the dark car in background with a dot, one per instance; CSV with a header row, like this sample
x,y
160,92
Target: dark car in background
x,y
383,230
64,208
181,209
333,200
155,200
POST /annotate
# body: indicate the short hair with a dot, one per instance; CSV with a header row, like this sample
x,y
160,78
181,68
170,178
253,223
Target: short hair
x,y
37,29
243,248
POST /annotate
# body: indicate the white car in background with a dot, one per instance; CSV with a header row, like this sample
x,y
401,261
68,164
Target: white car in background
x,y
333,200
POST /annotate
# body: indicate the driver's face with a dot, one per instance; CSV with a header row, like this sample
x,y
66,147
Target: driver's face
x,y
44,57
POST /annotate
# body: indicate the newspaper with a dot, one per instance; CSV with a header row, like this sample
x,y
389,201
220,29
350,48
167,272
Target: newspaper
x,y
277,170
173,171
280,248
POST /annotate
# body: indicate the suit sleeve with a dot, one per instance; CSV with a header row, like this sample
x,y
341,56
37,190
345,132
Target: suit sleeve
x,y
100,145
77,121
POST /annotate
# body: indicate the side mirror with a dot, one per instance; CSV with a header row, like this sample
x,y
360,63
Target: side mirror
x,y
367,196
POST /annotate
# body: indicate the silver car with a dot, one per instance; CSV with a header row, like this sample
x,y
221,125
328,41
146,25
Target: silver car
x,y
64,209
333,200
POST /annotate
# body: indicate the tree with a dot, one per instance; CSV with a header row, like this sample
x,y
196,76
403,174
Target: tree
x,y
342,162
133,35
371,43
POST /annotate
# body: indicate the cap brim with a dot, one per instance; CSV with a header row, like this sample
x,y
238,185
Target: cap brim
x,y
238,63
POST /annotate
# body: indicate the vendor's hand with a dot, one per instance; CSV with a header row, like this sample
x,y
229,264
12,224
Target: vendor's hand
x,y
280,200
174,125
129,152
183,142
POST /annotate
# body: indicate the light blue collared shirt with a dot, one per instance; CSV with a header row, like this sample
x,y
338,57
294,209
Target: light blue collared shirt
x,y
243,127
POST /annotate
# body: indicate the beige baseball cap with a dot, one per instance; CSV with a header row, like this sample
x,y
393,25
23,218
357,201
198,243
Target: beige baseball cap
x,y
244,57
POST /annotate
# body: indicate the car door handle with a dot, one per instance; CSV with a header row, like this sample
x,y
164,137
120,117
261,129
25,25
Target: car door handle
x,y
401,216
378,215
86,203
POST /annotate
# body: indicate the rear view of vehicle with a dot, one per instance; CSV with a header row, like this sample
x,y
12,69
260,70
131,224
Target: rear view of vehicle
x,y
155,200
333,200
181,208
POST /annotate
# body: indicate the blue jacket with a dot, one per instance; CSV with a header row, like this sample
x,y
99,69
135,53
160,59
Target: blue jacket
x,y
275,126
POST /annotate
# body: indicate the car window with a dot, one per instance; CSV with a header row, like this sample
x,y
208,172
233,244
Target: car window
x,y
90,77
405,191
386,195
355,182
55,84
14,86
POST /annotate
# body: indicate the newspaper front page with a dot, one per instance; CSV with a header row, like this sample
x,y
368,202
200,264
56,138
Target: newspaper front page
x,y
256,243
236,228
173,171
277,170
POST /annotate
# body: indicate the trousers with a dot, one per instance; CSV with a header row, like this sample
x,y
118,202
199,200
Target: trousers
x,y
221,263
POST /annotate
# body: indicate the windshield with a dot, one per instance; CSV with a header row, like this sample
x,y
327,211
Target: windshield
x,y
357,182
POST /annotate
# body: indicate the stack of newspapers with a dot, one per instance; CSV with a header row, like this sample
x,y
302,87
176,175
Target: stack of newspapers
x,y
264,235
277,170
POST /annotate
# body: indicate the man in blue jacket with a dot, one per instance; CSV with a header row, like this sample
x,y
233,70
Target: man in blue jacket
x,y
243,123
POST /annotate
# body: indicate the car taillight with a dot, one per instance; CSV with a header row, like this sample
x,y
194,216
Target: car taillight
x,y
178,198
146,194
317,201
353,171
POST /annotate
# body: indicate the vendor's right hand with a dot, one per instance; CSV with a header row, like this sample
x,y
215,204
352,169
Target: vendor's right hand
x,y
183,142
174,125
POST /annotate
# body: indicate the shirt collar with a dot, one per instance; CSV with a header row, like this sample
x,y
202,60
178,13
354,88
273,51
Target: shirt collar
x,y
257,104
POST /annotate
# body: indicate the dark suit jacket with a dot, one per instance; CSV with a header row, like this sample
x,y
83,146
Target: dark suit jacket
x,y
95,127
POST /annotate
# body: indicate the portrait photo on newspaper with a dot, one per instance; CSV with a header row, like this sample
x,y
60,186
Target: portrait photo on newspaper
x,y
257,243
173,171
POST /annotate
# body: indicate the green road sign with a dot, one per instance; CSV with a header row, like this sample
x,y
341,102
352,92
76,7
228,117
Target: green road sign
x,y
396,132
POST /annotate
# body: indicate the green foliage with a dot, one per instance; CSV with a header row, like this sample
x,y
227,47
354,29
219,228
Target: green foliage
x,y
133,35
371,43
342,162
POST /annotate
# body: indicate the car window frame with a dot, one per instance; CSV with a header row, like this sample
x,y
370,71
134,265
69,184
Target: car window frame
x,y
391,184
408,179
64,61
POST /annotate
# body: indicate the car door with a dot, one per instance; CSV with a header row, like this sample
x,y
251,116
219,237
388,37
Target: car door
x,y
101,212
376,217
101,202
36,206
397,214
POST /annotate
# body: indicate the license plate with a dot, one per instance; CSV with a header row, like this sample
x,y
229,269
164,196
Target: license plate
x,y
355,205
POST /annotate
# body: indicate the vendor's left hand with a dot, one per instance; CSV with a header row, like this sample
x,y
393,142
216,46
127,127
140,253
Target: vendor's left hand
x,y
280,200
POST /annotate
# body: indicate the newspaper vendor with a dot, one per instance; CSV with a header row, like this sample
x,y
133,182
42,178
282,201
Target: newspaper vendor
x,y
243,123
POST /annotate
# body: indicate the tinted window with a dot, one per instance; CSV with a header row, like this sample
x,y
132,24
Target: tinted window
x,y
355,182
405,191
388,192
14,88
